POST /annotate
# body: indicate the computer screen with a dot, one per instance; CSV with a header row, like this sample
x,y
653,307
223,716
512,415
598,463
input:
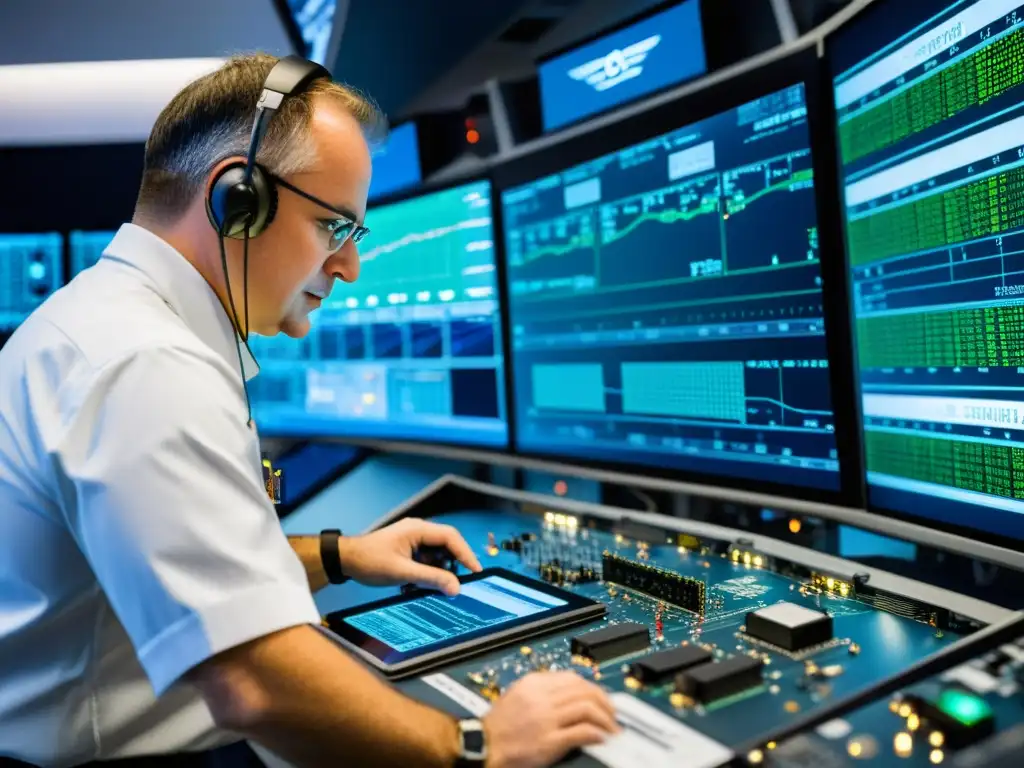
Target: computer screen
x,y
654,53
396,162
315,20
930,110
86,248
412,349
31,268
666,303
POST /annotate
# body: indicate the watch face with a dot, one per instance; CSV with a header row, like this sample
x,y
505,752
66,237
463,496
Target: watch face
x,y
473,742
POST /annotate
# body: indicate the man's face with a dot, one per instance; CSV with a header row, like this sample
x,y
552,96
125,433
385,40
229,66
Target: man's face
x,y
291,267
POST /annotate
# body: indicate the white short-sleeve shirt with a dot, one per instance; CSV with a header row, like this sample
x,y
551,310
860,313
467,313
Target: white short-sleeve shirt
x,y
136,537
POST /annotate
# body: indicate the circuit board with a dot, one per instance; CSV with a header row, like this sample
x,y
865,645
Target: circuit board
x,y
867,644
969,716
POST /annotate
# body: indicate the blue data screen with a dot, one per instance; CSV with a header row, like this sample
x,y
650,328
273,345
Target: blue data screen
x,y
412,349
930,107
396,163
652,54
437,619
666,303
86,248
31,268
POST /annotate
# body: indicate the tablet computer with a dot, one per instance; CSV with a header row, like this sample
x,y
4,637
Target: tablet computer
x,y
415,632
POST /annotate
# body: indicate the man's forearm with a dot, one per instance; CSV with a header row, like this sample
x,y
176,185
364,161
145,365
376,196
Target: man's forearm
x,y
304,699
308,550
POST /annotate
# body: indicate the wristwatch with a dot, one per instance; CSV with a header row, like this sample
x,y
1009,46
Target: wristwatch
x,y
473,752
330,556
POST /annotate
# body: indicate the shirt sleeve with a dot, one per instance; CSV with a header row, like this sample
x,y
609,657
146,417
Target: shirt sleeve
x,y
164,494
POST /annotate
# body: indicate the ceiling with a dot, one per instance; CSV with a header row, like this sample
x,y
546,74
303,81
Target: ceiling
x,y
46,31
443,52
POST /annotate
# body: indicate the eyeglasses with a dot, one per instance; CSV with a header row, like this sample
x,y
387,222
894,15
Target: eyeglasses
x,y
339,230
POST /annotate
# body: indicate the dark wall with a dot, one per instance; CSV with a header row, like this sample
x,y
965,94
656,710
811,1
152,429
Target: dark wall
x,y
63,188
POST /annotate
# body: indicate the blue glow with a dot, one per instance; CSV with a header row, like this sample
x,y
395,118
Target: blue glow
x,y
412,349
666,303
652,54
437,619
315,19
396,163
31,268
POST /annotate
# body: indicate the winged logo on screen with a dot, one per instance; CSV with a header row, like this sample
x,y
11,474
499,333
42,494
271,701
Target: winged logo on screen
x,y
615,67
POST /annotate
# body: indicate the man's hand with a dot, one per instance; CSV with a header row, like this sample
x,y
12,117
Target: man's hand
x,y
544,716
384,557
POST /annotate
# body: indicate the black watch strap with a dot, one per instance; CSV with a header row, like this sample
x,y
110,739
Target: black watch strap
x,y
330,557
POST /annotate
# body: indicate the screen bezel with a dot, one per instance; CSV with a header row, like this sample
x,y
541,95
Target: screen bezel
x,y
801,66
395,664
402,196
830,70
712,61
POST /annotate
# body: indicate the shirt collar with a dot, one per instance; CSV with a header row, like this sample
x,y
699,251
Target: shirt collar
x,y
184,290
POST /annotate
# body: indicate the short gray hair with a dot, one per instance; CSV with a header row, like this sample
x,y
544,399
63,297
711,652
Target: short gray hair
x,y
211,118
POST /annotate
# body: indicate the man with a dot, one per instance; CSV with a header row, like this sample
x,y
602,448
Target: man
x,y
149,601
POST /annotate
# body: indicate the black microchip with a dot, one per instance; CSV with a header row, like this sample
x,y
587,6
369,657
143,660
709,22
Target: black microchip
x,y
710,682
663,665
790,626
611,642
965,718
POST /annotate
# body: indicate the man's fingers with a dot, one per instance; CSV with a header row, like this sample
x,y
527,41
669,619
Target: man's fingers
x,y
580,735
586,711
445,535
433,578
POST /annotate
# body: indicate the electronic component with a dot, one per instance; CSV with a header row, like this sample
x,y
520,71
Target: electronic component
x,y
555,573
710,682
1002,751
611,642
789,626
664,665
682,591
963,717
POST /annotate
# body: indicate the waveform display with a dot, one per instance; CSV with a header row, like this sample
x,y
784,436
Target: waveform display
x,y
779,189
666,303
972,80
429,250
989,206
411,350
996,470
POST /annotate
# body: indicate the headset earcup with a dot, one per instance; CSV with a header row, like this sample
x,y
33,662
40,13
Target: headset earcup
x,y
232,203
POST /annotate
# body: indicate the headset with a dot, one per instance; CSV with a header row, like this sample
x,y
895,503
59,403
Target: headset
x,y
243,198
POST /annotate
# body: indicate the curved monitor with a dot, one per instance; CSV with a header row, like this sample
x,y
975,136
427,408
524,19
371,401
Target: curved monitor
x,y
931,133
666,306
412,349
31,268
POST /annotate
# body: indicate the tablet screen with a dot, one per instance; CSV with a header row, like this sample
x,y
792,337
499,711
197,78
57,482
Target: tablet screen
x,y
493,607
437,618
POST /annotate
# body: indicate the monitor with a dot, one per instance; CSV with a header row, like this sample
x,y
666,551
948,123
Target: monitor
x,y
666,303
396,162
86,248
930,120
412,349
651,54
31,268
315,21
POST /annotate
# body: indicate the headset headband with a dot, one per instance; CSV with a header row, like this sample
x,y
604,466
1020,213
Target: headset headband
x,y
290,76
